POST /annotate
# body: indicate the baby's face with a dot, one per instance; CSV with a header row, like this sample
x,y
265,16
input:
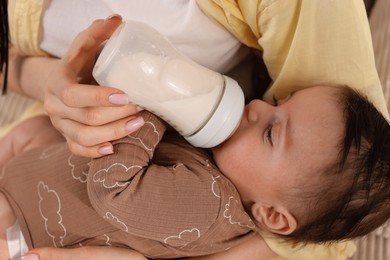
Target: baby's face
x,y
279,147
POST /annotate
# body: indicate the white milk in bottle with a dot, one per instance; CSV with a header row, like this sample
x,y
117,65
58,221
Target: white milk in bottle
x,y
180,93
202,105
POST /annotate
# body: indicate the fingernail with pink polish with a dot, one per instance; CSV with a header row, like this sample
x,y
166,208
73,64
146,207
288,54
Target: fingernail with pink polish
x,y
134,124
113,16
30,257
119,99
104,150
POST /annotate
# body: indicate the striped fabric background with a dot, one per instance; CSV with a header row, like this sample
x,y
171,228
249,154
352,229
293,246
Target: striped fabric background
x,y
11,106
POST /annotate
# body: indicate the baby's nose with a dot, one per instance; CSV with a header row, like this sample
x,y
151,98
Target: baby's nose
x,y
258,109
252,115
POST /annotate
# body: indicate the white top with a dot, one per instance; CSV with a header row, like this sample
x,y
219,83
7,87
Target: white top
x,y
185,25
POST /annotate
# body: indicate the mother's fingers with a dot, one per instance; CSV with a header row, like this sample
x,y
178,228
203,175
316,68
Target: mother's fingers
x,y
84,96
87,43
95,151
91,141
77,110
93,116
92,135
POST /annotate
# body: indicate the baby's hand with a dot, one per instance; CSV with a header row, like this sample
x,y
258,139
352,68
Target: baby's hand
x,y
88,116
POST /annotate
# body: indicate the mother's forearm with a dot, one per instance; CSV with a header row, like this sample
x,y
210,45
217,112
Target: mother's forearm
x,y
26,75
253,249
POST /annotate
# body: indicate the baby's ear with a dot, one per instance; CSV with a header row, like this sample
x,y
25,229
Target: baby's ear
x,y
274,219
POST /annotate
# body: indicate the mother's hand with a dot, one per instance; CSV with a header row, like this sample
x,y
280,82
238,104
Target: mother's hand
x,y
253,248
84,253
89,116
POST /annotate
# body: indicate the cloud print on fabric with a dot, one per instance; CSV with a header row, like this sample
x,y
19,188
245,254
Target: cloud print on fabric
x,y
115,221
50,210
215,187
79,167
231,214
183,238
110,181
148,126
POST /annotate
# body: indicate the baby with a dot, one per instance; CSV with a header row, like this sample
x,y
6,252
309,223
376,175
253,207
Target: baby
x,y
312,168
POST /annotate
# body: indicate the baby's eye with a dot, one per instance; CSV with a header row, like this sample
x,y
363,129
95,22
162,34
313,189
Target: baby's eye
x,y
269,135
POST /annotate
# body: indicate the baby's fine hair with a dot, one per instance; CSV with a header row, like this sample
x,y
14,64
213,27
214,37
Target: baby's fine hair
x,y
354,197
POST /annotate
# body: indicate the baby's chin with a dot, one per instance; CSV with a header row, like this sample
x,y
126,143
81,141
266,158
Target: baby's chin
x,y
216,153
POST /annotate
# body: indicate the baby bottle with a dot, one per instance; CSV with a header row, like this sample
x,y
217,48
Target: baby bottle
x,y
202,105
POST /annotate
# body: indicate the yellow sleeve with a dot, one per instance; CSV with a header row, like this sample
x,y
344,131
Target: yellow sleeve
x,y
296,251
25,18
305,42
24,25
